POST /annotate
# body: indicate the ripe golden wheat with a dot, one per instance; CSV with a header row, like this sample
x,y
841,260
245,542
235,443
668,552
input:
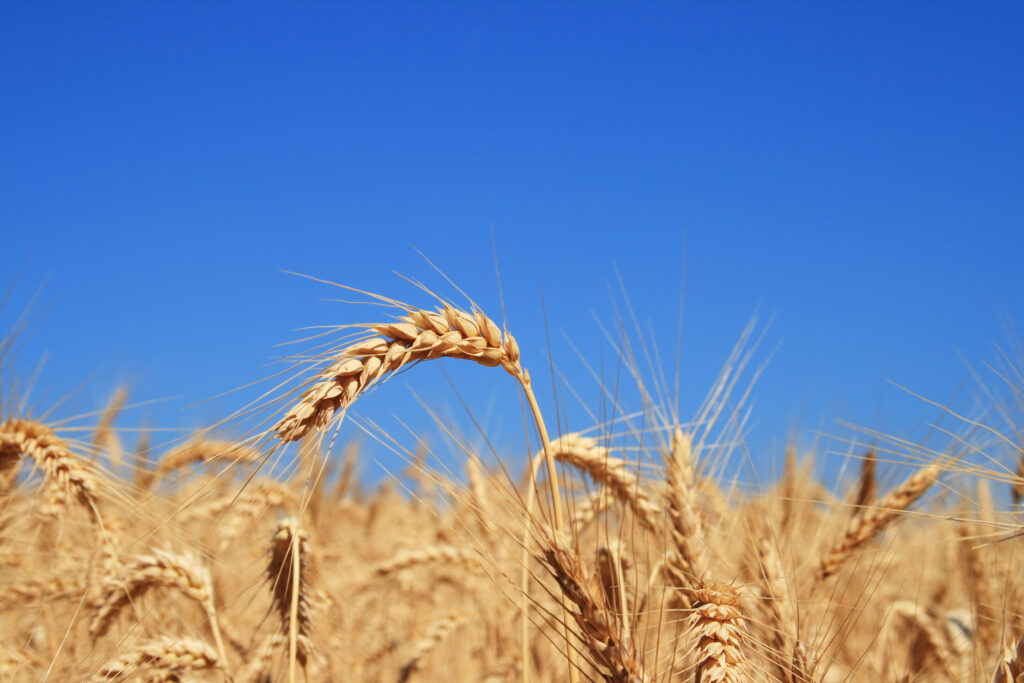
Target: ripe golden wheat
x,y
669,566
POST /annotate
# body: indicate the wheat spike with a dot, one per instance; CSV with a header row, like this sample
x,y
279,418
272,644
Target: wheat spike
x,y
585,454
164,656
162,569
203,451
419,335
437,632
67,476
60,586
866,485
873,520
288,572
105,439
718,625
686,561
986,615
1010,668
597,623
450,556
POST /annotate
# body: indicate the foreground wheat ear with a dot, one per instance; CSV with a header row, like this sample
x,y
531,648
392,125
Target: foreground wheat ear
x,y
417,336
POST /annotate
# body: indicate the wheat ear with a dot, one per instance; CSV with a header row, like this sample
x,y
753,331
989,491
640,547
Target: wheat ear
x,y
183,573
419,335
791,661
257,668
437,632
873,520
66,475
686,561
585,454
289,575
165,655
62,586
448,555
718,625
612,569
105,439
986,616
202,451
598,624
866,485
929,647
1010,668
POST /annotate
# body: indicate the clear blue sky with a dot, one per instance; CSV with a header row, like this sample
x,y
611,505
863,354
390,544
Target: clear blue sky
x,y
855,171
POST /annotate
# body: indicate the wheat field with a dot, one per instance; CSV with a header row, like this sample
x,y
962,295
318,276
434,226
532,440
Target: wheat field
x,y
618,552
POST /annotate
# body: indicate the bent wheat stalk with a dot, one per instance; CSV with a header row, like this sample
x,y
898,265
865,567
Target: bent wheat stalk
x,y
417,336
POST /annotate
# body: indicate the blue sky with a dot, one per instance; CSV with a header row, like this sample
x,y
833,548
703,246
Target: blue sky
x,y
851,172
